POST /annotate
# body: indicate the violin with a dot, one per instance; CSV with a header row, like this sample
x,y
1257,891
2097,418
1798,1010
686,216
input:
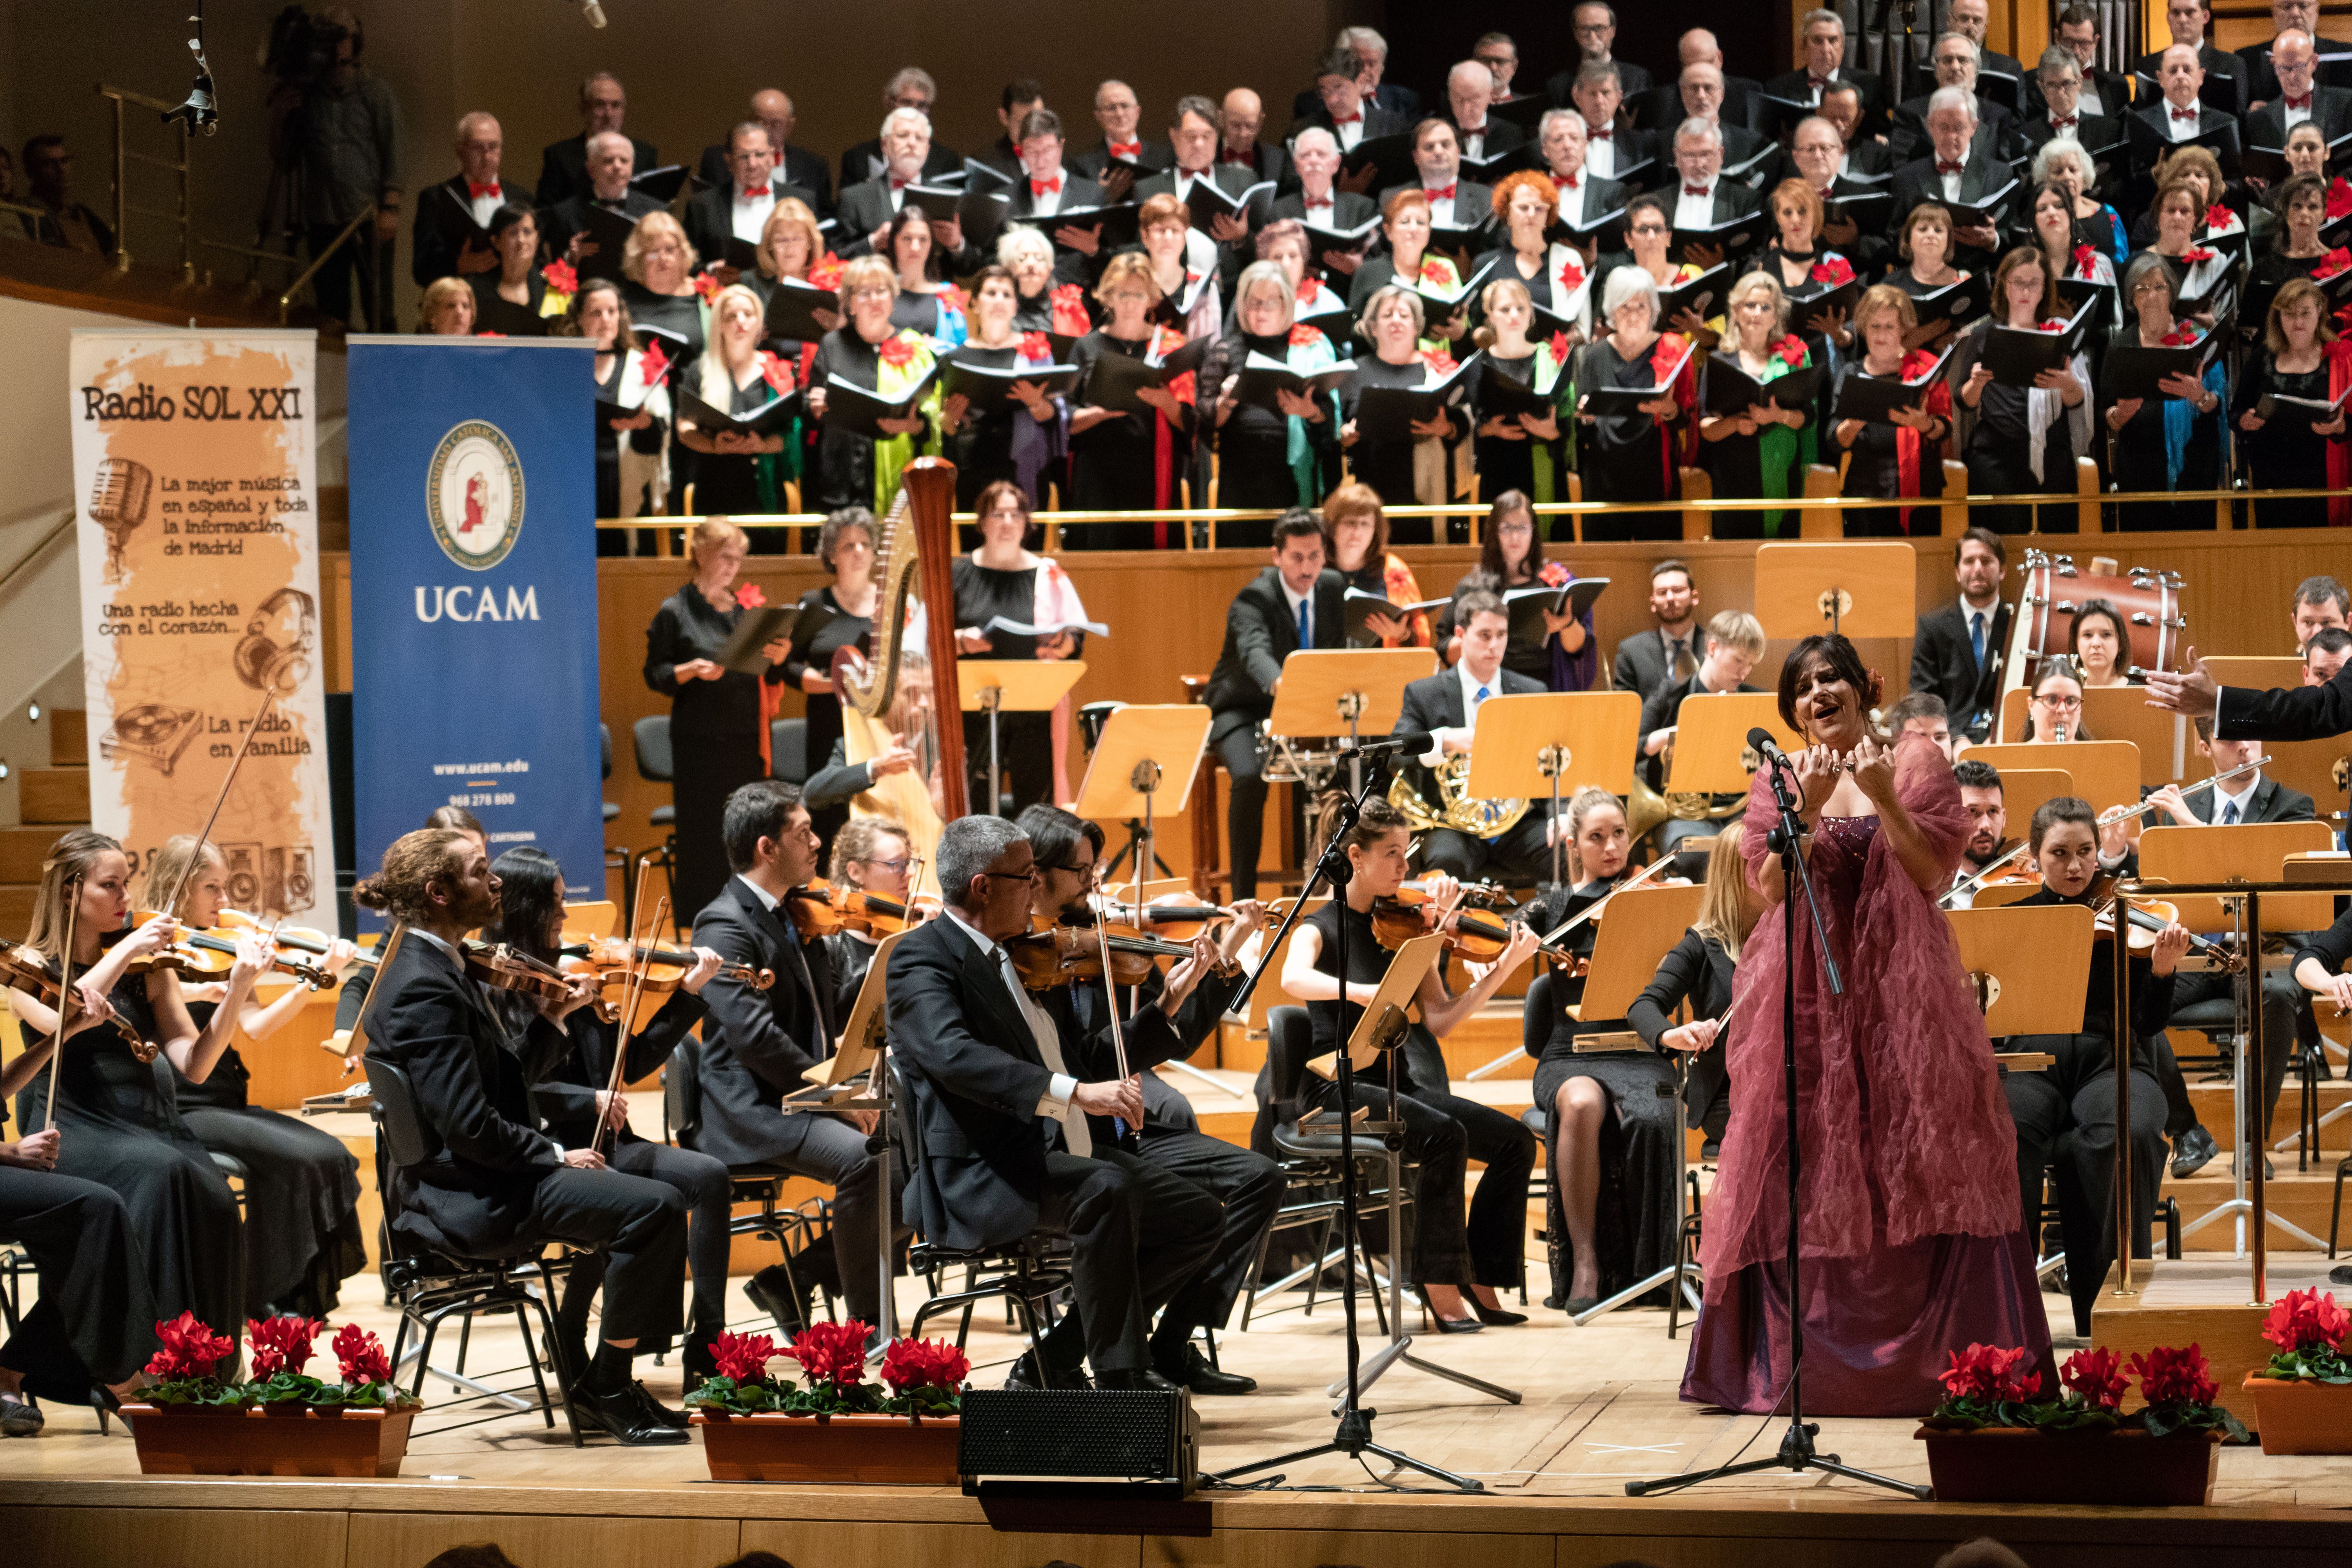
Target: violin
x,y
610,958
1056,954
1478,938
205,955
821,910
302,938
509,968
1170,921
2146,919
24,969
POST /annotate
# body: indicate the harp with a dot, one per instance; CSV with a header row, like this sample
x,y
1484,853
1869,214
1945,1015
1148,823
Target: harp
x,y
902,691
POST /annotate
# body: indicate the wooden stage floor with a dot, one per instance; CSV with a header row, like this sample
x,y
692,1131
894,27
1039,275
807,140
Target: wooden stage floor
x,y
1599,1409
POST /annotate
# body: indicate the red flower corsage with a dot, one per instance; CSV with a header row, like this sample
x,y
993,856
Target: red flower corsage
x,y
1559,346
2049,326
2334,262
1165,340
653,364
1438,360
1037,346
2195,253
2339,198
894,350
955,296
748,594
1791,349
2084,256
1553,575
1302,334
1836,272
775,373
1436,272
1070,311
561,278
2181,336
1572,276
826,273
1307,290
707,285
1918,362
1182,387
2220,219
489,334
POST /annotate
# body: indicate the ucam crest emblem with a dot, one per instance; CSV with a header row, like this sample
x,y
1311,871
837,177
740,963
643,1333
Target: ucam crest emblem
x,y
473,495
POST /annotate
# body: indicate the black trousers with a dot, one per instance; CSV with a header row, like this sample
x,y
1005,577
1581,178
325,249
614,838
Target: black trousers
x,y
1250,1187
1139,1232
1442,1133
95,1321
2281,1000
637,1222
701,1182
833,1151
2065,1116
1518,858
331,284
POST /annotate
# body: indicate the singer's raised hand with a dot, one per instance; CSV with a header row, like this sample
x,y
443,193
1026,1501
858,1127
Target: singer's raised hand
x,y
1816,775
1872,766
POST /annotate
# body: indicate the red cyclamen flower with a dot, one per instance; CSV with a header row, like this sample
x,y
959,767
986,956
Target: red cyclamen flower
x,y
743,1357
748,595
561,278
361,1356
281,1345
924,1363
2098,1375
2306,1320
894,350
832,1352
2168,1374
190,1349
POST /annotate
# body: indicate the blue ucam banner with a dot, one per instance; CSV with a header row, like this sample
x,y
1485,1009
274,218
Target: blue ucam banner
x,y
474,595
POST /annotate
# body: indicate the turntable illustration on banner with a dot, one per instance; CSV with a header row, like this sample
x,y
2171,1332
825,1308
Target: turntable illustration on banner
x,y
154,730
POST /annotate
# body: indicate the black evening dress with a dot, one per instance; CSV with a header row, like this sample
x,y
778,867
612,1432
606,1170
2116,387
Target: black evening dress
x,y
2140,463
1877,470
1627,456
1024,740
1122,465
714,736
1387,465
2284,454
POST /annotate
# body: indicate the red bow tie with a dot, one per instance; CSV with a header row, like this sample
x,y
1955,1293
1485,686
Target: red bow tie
x,y
1438,192
1699,190
2061,122
2191,115
1314,202
899,184
476,193
1248,157
2303,103
752,191
1817,82
1603,135
1127,149
1944,168
1828,192
1052,187
1566,182
1355,119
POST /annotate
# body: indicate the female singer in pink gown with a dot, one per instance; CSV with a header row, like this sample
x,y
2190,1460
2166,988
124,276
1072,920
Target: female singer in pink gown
x,y
1910,1245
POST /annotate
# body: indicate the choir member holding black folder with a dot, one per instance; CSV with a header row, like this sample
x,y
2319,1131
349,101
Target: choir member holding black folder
x,y
1943,298
1400,409
1522,382
736,405
591,229
1757,397
2163,385
2296,249
513,300
1893,412
869,385
1132,417
2290,407
1004,409
658,263
633,406
1633,382
2020,390
1275,417
452,235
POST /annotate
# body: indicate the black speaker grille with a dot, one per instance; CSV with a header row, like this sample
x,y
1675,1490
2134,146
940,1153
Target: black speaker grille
x,y
1114,1434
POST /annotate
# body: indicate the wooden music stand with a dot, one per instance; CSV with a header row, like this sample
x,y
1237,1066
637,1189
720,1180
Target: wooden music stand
x,y
1383,1023
1858,590
1549,743
1142,746
2252,851
2105,772
994,686
2031,968
1353,692
1711,741
2022,791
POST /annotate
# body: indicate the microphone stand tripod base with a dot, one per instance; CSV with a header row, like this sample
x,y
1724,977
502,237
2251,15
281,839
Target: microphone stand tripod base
x,y
1796,1454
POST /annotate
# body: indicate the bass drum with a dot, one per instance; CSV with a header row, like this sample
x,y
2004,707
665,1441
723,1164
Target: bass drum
x,y
2149,602
1092,717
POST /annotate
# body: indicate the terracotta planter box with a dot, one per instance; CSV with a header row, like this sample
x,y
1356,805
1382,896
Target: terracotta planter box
x,y
269,1440
2015,1464
2297,1416
901,1449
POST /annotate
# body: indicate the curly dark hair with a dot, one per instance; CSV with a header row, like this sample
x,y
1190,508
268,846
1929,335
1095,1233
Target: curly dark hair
x,y
1843,664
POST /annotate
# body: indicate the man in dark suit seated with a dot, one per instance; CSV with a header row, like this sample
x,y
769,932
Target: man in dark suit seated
x,y
611,164
757,1045
451,238
1186,1001
2256,66
491,1185
1293,603
1614,150
1595,24
911,87
2104,94
1446,706
1124,155
1958,169
1957,651
2295,61
1954,60
1368,53
1469,89
2188,20
1317,200
2058,106
1240,118
1342,109
740,208
1669,650
772,107
1013,1121
1453,201
564,167
1824,68
1735,641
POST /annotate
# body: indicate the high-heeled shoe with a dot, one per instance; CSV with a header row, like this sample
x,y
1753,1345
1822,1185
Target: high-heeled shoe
x,y
1447,1325
103,1400
1494,1317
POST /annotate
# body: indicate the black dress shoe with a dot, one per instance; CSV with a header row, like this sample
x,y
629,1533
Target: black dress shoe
x,y
1495,1317
1135,1379
1025,1372
1579,1305
782,1296
1194,1370
624,1416
19,1417
655,1410
2270,1172
698,1364
2340,1275
2191,1152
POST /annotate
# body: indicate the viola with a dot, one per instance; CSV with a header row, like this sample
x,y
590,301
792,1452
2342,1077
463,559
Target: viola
x,y
821,910
1055,954
609,959
206,955
24,969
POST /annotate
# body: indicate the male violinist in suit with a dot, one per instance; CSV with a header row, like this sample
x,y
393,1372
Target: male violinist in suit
x,y
756,1044
1013,1120
491,1184
1446,705
1293,603
1956,653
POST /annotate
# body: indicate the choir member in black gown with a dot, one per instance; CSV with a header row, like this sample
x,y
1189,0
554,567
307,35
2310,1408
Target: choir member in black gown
x,y
1190,291
2172,442
1269,458
512,299
1414,470
302,1186
2292,447
1528,205
1405,227
658,263
600,315
716,715
844,547
737,470
2020,440
1568,656
871,350
926,301
2295,250
1765,449
1040,304
1121,462
792,246
1023,439
1003,578
1904,455
1456,1266
117,1123
1518,452
1632,458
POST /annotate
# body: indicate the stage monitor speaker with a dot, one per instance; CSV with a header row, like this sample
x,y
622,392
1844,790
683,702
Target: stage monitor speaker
x,y
1034,1442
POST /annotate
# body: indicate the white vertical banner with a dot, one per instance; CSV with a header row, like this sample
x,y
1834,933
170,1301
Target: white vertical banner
x,y
193,456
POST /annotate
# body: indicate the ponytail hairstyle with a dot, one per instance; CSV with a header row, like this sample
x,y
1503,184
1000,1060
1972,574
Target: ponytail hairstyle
x,y
70,859
1581,805
1375,822
414,862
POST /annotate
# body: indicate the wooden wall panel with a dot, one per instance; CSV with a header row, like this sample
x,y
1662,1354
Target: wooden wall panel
x,y
540,1541
1359,1549
175,1538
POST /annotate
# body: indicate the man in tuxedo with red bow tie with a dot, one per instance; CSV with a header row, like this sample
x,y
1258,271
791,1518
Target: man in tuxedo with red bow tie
x,y
2060,110
2295,61
1453,201
452,238
1824,68
1959,168
1342,107
2180,115
1046,188
1240,115
739,209
1614,150
1124,156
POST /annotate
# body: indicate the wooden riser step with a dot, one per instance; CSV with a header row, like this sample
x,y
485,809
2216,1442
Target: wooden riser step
x,y
2301,1200
21,852
2213,1102
68,737
53,796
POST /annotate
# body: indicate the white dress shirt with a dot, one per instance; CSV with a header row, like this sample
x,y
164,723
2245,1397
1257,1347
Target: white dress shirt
x,y
1350,132
2088,101
2177,128
1600,154
748,215
1056,1104
1573,198
1694,212
1951,182
1473,143
1440,208
1471,686
2293,115
485,208
1293,601
2243,799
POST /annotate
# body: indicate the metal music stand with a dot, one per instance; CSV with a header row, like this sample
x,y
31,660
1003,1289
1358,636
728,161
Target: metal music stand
x,y
1854,590
1545,743
994,686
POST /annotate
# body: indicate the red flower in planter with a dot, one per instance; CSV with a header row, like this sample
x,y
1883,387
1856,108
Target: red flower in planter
x,y
826,274
924,1363
2306,1320
190,1349
2098,1375
561,278
742,1357
832,1352
1303,334
2084,256
748,595
281,1345
1037,346
1989,1372
2168,1375
361,1356
894,350
1836,272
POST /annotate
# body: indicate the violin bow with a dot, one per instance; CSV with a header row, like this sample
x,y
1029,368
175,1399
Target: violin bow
x,y
632,982
1652,869
1117,1032
171,907
65,994
357,1045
